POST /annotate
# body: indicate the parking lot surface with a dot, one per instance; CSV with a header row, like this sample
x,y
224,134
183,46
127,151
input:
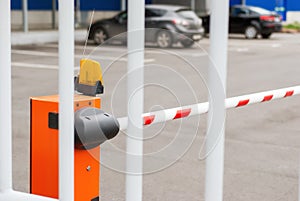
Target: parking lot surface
x,y
262,141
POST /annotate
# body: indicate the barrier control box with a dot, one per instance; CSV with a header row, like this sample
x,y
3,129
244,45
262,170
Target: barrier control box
x,y
44,155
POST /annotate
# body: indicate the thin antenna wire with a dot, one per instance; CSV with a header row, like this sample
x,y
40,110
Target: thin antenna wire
x,y
88,33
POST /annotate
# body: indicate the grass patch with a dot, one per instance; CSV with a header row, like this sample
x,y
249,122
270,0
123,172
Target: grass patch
x,y
294,26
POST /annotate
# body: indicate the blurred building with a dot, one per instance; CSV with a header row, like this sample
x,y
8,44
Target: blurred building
x,y
43,13
289,9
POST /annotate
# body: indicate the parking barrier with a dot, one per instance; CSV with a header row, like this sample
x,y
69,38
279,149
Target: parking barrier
x,y
66,177
202,108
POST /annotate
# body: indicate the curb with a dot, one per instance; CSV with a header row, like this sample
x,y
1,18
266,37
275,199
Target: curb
x,y
41,37
284,30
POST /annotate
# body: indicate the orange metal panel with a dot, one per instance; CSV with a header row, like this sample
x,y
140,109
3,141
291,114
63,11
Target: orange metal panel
x,y
44,152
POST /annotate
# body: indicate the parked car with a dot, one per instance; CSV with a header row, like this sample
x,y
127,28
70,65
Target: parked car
x,y
250,21
169,24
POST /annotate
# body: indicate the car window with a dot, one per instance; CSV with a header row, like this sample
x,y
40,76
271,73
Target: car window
x,y
154,12
122,16
261,11
187,13
239,11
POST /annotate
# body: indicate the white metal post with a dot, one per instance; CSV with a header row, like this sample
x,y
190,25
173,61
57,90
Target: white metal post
x,y
66,100
53,13
123,5
5,99
135,100
244,2
25,15
193,4
215,136
77,14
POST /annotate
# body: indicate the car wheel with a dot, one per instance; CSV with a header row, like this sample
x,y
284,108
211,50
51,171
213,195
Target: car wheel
x,y
266,35
99,36
187,43
164,39
251,32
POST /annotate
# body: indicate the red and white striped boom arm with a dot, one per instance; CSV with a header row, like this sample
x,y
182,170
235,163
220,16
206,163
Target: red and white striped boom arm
x,y
202,108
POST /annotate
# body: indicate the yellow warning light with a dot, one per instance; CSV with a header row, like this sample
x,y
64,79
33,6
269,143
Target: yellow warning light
x,y
89,81
90,72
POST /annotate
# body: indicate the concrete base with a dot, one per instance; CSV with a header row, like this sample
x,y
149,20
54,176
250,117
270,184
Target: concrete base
x,y
43,19
14,195
40,37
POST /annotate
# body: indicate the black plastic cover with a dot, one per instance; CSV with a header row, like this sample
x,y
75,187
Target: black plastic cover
x,y
93,127
88,90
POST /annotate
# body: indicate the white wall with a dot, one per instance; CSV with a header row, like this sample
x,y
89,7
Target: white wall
x,y
43,19
293,16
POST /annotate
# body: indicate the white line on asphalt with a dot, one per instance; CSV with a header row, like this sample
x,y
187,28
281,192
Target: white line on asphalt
x,y
235,49
167,52
28,65
276,45
263,44
242,49
149,60
123,50
35,53
40,66
81,47
54,54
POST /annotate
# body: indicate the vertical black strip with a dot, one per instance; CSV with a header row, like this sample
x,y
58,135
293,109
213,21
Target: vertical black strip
x,y
30,163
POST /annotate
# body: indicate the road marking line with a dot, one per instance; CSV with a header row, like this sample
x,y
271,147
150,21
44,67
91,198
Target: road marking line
x,y
81,47
149,60
276,45
40,66
124,50
242,49
176,53
54,54
28,65
34,53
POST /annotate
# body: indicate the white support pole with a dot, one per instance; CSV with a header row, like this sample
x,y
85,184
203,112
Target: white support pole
x,y
66,100
77,14
135,100
5,99
53,13
299,181
25,15
193,4
244,2
215,135
123,5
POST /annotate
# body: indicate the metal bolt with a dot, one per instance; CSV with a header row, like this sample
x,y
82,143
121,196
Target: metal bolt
x,y
88,168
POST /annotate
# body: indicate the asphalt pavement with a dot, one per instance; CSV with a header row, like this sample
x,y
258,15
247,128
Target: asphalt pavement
x,y
262,141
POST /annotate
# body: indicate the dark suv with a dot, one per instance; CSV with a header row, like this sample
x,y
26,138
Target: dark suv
x,y
169,24
250,21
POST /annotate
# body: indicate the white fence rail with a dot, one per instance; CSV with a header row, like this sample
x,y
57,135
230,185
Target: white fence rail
x,y
66,137
66,88
5,101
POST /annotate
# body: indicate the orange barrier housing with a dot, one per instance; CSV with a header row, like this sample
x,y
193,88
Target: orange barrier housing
x,y
44,152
